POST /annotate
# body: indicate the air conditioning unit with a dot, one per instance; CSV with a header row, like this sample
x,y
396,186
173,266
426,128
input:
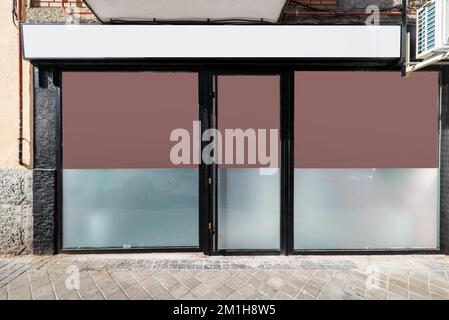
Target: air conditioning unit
x,y
432,28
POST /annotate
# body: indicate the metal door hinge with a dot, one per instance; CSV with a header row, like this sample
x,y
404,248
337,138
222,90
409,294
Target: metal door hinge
x,y
210,225
210,180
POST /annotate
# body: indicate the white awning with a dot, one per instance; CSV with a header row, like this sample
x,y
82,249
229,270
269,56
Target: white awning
x,y
190,10
86,41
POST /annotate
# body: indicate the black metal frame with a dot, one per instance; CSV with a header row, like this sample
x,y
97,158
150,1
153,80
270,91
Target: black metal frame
x,y
404,37
214,177
59,152
203,194
287,151
206,68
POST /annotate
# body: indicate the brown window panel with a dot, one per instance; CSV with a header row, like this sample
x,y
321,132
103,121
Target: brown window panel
x,y
124,120
366,120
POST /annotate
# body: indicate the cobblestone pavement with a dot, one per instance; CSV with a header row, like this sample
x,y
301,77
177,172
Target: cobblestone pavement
x,y
194,276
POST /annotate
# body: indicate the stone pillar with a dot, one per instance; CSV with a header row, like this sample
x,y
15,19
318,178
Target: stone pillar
x,y
46,96
444,162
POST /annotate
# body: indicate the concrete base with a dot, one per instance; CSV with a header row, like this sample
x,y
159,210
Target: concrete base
x,y
16,216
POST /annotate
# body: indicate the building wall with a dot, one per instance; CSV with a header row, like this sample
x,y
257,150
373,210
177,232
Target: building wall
x,y
15,180
444,159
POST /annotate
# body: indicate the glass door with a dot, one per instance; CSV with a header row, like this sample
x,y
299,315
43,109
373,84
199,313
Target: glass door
x,y
246,163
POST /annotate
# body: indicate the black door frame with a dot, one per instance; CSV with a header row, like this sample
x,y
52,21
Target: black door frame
x,y
286,109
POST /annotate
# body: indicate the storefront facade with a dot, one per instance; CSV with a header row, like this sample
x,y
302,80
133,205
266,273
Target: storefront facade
x,y
357,165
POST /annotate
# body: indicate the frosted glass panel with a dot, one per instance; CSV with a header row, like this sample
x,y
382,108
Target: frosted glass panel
x,y
125,208
366,208
248,207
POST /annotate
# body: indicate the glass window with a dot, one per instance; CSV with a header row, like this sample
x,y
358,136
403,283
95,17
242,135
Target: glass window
x,y
120,189
366,160
249,192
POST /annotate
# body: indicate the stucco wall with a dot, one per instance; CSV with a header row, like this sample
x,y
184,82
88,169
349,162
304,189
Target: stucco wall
x,y
9,93
15,180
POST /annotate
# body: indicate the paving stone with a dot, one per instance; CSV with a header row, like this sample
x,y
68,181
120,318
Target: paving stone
x,y
419,284
170,282
399,291
110,291
280,295
223,291
119,296
393,296
436,290
124,279
166,295
262,275
149,282
136,292
156,290
44,292
255,283
381,285
179,290
95,296
222,276
212,282
140,275
201,290
269,290
304,296
18,282
316,282
190,296
247,291
311,290
88,287
20,293
331,292
41,282
418,291
275,282
354,291
191,283
3,293
184,275
290,289
61,289
375,294
202,275
413,296
323,275
242,276
71,296
419,276
337,282
399,283
214,296
439,283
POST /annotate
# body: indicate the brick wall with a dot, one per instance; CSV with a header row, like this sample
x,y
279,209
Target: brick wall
x,y
57,3
320,4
